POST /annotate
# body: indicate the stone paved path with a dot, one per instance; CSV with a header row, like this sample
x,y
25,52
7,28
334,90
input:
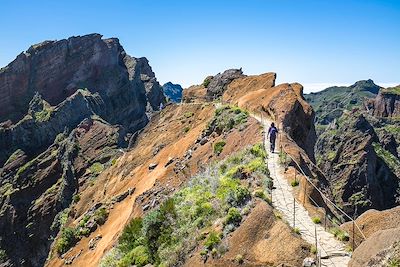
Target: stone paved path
x,y
332,250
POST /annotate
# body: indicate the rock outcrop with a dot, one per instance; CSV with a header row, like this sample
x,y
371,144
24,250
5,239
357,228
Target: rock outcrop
x,y
68,107
57,69
173,92
362,169
387,103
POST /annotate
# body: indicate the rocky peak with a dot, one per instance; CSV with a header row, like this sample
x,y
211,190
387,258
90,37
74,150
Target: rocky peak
x,y
217,84
56,69
387,103
173,91
366,85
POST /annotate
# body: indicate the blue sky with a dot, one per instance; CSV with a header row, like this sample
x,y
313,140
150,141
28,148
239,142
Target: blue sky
x,y
316,43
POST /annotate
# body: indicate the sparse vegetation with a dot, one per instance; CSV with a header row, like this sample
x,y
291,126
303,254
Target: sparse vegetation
x,y
206,82
313,249
186,129
239,259
296,230
294,183
96,168
67,240
316,220
181,223
340,234
227,118
3,256
219,146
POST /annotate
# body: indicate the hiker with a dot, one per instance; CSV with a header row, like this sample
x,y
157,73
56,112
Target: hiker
x,y
272,133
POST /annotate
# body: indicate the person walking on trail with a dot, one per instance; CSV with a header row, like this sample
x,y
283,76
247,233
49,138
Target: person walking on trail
x,y
272,133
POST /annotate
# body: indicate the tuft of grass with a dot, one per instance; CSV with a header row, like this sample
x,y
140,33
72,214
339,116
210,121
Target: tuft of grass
x,y
239,258
296,230
233,216
316,220
212,240
100,216
313,249
219,146
188,114
294,183
206,82
186,129
340,234
76,198
96,168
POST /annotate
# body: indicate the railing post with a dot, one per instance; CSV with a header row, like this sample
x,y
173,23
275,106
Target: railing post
x,y
353,235
294,212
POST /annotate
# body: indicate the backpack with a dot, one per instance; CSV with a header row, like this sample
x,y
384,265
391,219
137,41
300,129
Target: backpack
x,y
272,132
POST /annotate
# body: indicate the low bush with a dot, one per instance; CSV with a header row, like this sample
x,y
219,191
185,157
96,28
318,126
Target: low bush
x,y
233,217
294,183
219,146
212,240
67,240
316,220
239,259
296,230
340,234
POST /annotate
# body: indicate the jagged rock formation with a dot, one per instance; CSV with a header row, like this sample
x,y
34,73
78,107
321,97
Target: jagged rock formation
x,y
362,169
173,92
68,106
357,148
387,103
212,88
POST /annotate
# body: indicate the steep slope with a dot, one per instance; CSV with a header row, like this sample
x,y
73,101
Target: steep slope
x,y
69,106
358,145
173,92
192,188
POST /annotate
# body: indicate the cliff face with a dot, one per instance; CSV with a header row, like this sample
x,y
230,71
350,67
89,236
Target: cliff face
x,y
56,69
68,107
362,167
387,103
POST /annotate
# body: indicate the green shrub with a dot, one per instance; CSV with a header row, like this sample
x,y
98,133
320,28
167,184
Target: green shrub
x,y
100,216
316,220
233,216
313,249
258,151
188,114
96,168
294,183
3,256
206,82
296,230
139,256
394,263
261,194
131,235
67,240
212,240
219,146
186,129
76,198
239,259
340,234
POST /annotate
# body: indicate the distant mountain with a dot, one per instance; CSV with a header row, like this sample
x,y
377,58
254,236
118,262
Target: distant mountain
x,y
173,91
331,102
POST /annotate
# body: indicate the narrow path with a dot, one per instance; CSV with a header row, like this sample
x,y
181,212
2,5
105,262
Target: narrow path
x,y
332,251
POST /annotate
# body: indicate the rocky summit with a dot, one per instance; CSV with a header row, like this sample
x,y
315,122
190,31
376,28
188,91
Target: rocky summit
x,y
173,91
68,107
